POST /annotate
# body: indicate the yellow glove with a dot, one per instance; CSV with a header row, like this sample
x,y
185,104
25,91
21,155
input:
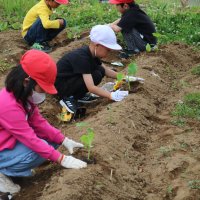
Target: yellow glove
x,y
64,115
117,85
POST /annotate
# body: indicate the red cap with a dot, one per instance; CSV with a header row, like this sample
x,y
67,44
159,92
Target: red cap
x,y
120,1
62,1
41,68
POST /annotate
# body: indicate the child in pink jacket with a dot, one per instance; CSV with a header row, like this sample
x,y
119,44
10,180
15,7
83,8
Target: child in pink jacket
x,y
27,139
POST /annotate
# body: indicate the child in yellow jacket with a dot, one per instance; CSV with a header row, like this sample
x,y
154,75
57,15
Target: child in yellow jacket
x,y
38,29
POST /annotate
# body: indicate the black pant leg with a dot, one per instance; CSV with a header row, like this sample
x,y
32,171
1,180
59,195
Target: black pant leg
x,y
134,41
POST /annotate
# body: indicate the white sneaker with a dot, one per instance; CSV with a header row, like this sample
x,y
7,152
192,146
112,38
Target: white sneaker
x,y
7,185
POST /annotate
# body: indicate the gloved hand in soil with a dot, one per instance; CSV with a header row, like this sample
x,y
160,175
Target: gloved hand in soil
x,y
72,163
119,95
71,144
133,78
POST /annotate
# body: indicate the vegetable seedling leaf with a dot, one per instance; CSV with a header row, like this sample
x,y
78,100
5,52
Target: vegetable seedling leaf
x,y
132,69
120,76
158,35
87,140
148,47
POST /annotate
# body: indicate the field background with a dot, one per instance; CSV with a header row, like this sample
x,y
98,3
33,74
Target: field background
x,y
147,146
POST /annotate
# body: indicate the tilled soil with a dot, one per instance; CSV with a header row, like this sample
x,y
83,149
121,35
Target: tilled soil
x,y
140,155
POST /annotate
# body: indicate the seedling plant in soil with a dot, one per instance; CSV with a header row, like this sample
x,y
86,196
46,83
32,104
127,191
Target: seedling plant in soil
x,y
87,140
132,70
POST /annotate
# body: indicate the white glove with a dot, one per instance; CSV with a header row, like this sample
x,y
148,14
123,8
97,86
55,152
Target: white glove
x,y
133,78
71,144
72,163
118,95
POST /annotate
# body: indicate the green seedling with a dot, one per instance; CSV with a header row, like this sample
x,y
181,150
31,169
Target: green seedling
x,y
132,69
87,140
148,48
120,77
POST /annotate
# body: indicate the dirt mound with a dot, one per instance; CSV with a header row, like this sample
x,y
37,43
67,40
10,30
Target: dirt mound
x,y
140,154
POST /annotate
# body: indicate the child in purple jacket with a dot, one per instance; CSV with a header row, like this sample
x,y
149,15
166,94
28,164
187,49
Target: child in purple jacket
x,y
27,139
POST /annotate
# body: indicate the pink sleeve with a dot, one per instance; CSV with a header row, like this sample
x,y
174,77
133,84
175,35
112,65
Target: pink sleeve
x,y
43,129
14,121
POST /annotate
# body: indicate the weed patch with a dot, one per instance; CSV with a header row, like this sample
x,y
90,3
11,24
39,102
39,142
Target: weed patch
x,y
196,70
189,108
4,66
194,184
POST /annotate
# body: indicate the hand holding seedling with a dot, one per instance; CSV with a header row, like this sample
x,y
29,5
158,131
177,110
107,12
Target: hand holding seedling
x,y
72,163
119,95
70,145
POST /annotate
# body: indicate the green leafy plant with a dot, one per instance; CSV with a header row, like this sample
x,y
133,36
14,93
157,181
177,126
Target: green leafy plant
x,y
3,26
16,26
159,38
87,140
132,69
148,48
120,77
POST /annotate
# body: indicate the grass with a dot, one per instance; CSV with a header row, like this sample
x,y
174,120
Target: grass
x,y
4,66
189,108
194,184
174,23
196,70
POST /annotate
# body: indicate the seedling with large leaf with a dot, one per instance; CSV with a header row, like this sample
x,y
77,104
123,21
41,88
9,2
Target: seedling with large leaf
x,y
87,140
120,78
132,69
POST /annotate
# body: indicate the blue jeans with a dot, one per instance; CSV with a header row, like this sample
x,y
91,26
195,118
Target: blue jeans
x,y
20,160
38,34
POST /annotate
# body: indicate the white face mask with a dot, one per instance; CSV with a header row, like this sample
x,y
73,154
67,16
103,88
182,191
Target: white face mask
x,y
37,97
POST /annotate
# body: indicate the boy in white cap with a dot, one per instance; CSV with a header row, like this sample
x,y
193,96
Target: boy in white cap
x,y
81,70
38,29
